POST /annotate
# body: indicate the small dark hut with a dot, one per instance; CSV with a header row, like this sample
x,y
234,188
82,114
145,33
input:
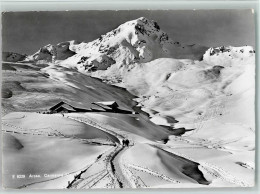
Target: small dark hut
x,y
63,107
108,106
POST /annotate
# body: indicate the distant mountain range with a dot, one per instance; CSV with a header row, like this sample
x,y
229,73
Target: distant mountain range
x,y
135,41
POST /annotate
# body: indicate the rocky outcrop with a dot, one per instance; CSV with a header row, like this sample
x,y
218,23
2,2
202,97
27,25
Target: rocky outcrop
x,y
51,53
12,57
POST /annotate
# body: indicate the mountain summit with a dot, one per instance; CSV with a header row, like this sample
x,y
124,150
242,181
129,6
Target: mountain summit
x,y
139,40
136,41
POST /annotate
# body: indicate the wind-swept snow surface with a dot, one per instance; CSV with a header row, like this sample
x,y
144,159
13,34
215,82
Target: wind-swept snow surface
x,y
184,114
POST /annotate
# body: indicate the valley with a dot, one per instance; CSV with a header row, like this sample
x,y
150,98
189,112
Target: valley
x,y
138,110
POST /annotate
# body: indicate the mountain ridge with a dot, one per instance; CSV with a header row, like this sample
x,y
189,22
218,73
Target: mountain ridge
x,y
139,40
136,41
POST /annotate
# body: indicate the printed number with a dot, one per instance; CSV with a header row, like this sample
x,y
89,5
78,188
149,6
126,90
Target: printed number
x,y
20,176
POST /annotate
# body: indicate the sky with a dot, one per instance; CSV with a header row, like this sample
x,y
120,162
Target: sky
x,y
27,32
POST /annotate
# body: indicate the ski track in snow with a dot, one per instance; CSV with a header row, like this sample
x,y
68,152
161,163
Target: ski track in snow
x,y
117,173
143,59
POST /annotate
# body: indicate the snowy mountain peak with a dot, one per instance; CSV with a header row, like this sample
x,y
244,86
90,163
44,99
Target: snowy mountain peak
x,y
144,26
51,53
133,33
224,54
135,41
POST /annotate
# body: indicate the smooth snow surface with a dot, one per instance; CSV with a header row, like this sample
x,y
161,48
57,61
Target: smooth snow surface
x,y
190,119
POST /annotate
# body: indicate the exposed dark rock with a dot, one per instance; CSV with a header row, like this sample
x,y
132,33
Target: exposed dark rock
x,y
156,26
164,37
140,28
12,57
82,60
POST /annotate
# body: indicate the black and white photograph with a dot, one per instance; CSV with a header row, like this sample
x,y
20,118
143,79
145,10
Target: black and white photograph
x,y
128,99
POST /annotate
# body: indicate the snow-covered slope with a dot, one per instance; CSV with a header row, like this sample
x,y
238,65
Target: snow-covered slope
x,y
185,89
139,40
225,55
52,53
199,130
171,80
209,102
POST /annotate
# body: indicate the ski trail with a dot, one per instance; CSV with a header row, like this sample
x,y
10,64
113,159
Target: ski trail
x,y
110,168
50,132
119,169
67,174
134,180
109,160
92,123
91,179
151,172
